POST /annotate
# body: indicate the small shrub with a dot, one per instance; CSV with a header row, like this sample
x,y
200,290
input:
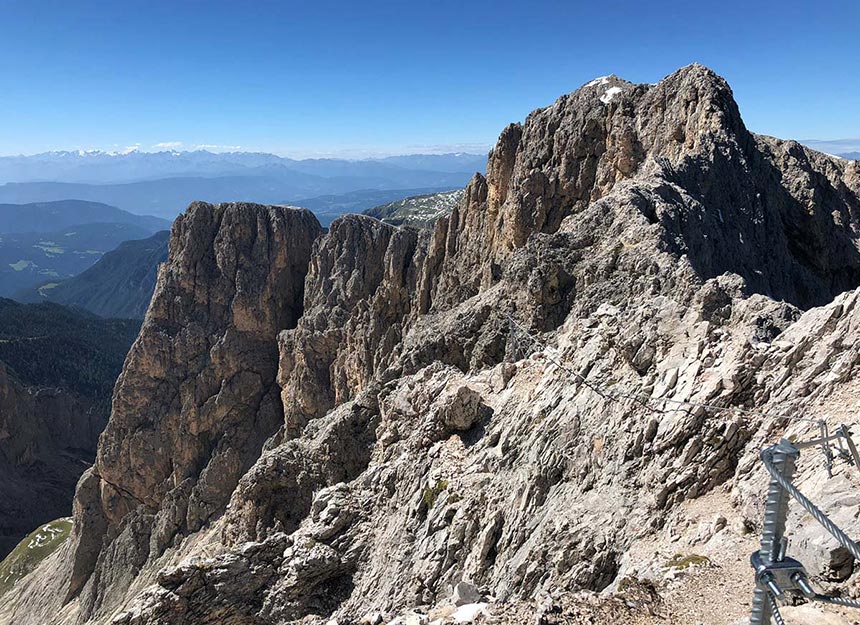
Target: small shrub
x,y
431,493
680,561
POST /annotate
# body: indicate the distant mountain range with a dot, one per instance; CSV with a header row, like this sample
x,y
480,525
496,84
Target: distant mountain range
x,y
53,216
845,148
96,167
164,183
52,241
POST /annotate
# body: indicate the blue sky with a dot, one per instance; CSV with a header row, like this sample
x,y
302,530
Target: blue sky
x,y
365,78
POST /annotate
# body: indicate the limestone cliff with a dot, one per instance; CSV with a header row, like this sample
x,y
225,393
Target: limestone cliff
x,y
197,398
416,437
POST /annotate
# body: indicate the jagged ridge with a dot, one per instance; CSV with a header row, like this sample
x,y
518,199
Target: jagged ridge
x,y
643,228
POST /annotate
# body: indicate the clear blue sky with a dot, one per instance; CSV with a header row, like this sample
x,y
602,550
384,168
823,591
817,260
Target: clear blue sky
x,y
365,77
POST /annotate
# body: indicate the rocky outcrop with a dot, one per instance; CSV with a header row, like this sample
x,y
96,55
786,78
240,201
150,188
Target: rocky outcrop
x,y
197,397
359,291
725,199
505,401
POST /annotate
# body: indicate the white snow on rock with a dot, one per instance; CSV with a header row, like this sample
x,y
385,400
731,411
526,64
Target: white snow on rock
x,y
600,80
44,536
469,612
606,98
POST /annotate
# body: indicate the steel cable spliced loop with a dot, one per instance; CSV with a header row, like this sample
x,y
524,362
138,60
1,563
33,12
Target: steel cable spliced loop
x,y
775,573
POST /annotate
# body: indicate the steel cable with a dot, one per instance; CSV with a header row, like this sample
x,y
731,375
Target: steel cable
x,y
811,508
617,397
774,609
848,603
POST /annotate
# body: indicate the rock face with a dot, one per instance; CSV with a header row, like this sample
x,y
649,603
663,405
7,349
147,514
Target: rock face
x,y
496,405
45,435
358,293
197,399
778,215
57,368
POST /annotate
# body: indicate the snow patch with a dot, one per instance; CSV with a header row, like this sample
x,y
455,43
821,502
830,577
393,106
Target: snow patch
x,y
44,536
606,98
469,612
600,80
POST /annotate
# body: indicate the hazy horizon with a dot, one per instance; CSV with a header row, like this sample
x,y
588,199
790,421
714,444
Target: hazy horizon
x,y
345,154
832,145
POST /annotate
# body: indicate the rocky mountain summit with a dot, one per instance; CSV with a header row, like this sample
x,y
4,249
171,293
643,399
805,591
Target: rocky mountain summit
x,y
380,424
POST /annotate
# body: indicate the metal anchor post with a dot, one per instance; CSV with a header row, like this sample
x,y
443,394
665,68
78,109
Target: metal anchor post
x,y
784,456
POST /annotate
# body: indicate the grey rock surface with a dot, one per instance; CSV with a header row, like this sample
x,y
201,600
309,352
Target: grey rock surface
x,y
465,593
